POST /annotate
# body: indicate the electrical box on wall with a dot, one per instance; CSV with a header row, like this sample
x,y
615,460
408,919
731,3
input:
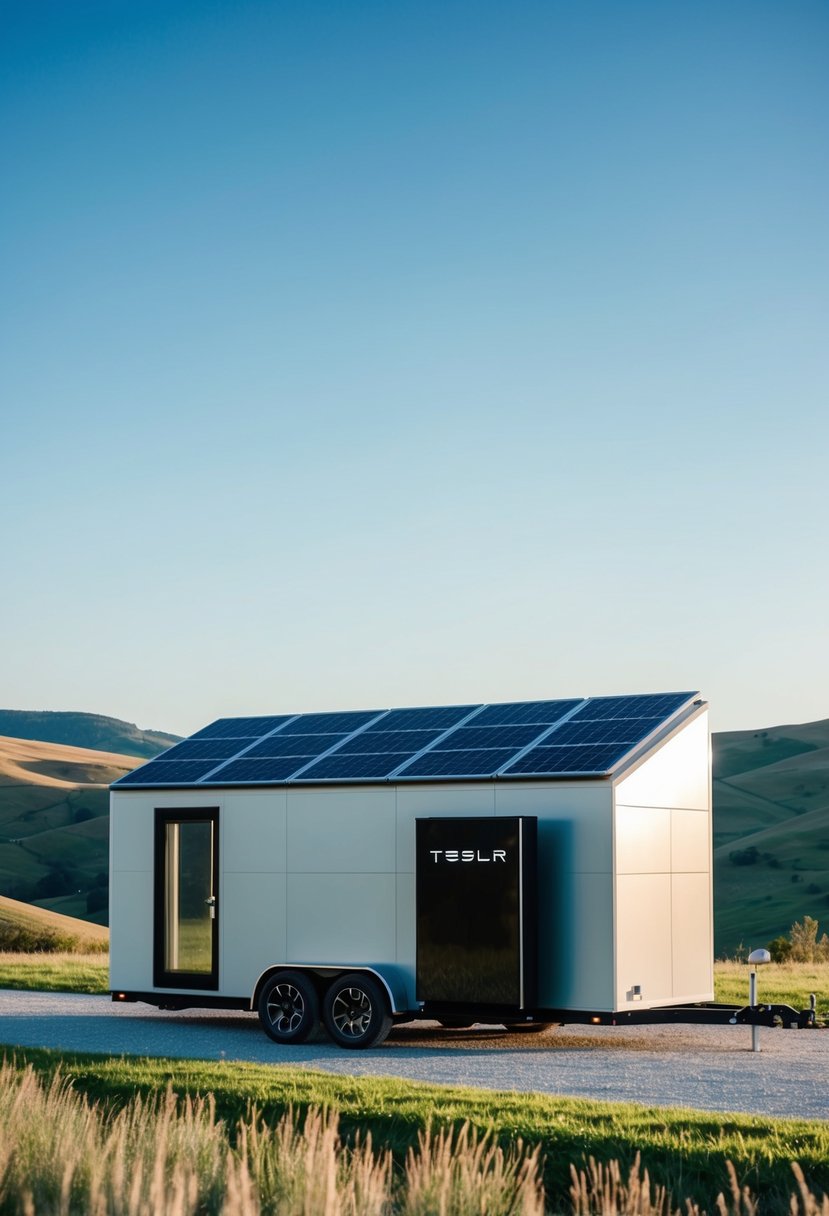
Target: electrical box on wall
x,y
476,911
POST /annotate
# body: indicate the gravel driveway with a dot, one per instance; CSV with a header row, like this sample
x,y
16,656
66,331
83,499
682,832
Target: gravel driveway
x,y
705,1067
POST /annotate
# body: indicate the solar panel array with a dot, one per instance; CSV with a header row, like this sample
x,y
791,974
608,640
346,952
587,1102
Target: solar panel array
x,y
572,737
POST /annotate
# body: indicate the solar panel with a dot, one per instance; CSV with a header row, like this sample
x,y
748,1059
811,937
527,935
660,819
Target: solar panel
x,y
203,749
439,717
331,724
643,706
174,772
275,769
542,712
406,741
513,737
547,761
292,745
241,728
613,730
478,763
353,767
516,739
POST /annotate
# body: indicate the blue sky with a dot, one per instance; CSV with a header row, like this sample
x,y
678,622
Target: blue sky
x,y
366,354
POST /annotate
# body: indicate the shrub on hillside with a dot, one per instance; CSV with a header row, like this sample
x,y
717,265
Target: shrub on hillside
x,y
744,857
33,939
780,949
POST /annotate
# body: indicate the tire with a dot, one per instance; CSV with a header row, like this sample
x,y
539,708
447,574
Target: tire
x,y
355,1011
289,1007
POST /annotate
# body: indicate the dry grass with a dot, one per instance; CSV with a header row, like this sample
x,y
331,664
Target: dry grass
x,y
31,762
61,1155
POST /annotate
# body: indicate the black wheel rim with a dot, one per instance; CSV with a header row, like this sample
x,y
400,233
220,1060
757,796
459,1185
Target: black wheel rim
x,y
351,1013
285,1008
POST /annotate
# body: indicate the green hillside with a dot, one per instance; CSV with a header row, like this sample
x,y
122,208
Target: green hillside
x,y
771,832
84,730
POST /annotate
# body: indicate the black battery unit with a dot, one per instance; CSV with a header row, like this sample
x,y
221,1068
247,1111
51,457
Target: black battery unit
x,y
476,911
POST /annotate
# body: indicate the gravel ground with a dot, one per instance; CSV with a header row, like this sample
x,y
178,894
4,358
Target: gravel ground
x,y
704,1067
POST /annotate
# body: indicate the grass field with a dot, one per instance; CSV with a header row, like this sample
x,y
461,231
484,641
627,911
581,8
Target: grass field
x,y
686,1151
780,983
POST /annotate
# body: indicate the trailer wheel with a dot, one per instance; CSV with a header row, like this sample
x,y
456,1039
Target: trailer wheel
x,y
289,1008
355,1011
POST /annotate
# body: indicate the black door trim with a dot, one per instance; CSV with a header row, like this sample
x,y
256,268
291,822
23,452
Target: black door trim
x,y
182,979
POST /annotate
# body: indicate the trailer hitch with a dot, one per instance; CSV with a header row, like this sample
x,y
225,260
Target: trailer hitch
x,y
776,1015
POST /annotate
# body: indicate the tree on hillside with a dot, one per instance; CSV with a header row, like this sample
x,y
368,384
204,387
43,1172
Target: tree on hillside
x,y
806,948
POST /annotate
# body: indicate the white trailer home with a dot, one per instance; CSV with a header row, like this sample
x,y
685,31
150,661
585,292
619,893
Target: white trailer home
x,y
529,862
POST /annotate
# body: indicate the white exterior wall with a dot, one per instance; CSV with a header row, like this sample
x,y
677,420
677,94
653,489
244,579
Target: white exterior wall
x,y
663,875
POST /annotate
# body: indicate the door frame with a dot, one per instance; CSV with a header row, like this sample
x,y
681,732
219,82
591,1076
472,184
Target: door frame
x,y
182,979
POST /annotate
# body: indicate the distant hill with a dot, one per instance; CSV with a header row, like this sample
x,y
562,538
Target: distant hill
x,y
84,730
25,927
54,825
771,832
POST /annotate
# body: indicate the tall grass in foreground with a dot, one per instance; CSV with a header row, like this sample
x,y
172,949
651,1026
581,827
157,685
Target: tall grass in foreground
x,y
165,1156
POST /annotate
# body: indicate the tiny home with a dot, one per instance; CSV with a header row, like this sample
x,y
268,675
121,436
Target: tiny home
x,y
525,863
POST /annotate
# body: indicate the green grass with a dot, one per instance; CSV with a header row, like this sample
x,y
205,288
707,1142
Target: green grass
x,y
55,972
777,983
686,1150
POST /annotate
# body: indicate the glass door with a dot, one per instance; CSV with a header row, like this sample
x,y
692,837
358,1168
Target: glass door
x,y
186,905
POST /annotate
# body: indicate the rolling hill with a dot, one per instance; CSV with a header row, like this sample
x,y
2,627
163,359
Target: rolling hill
x,y
771,824
24,926
771,832
84,730
54,825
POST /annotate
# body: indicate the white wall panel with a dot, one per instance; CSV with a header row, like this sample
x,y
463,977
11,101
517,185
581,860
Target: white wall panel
x,y
575,820
674,776
406,935
131,833
252,831
346,831
341,918
693,970
643,939
576,945
419,802
643,839
252,922
690,841
131,931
